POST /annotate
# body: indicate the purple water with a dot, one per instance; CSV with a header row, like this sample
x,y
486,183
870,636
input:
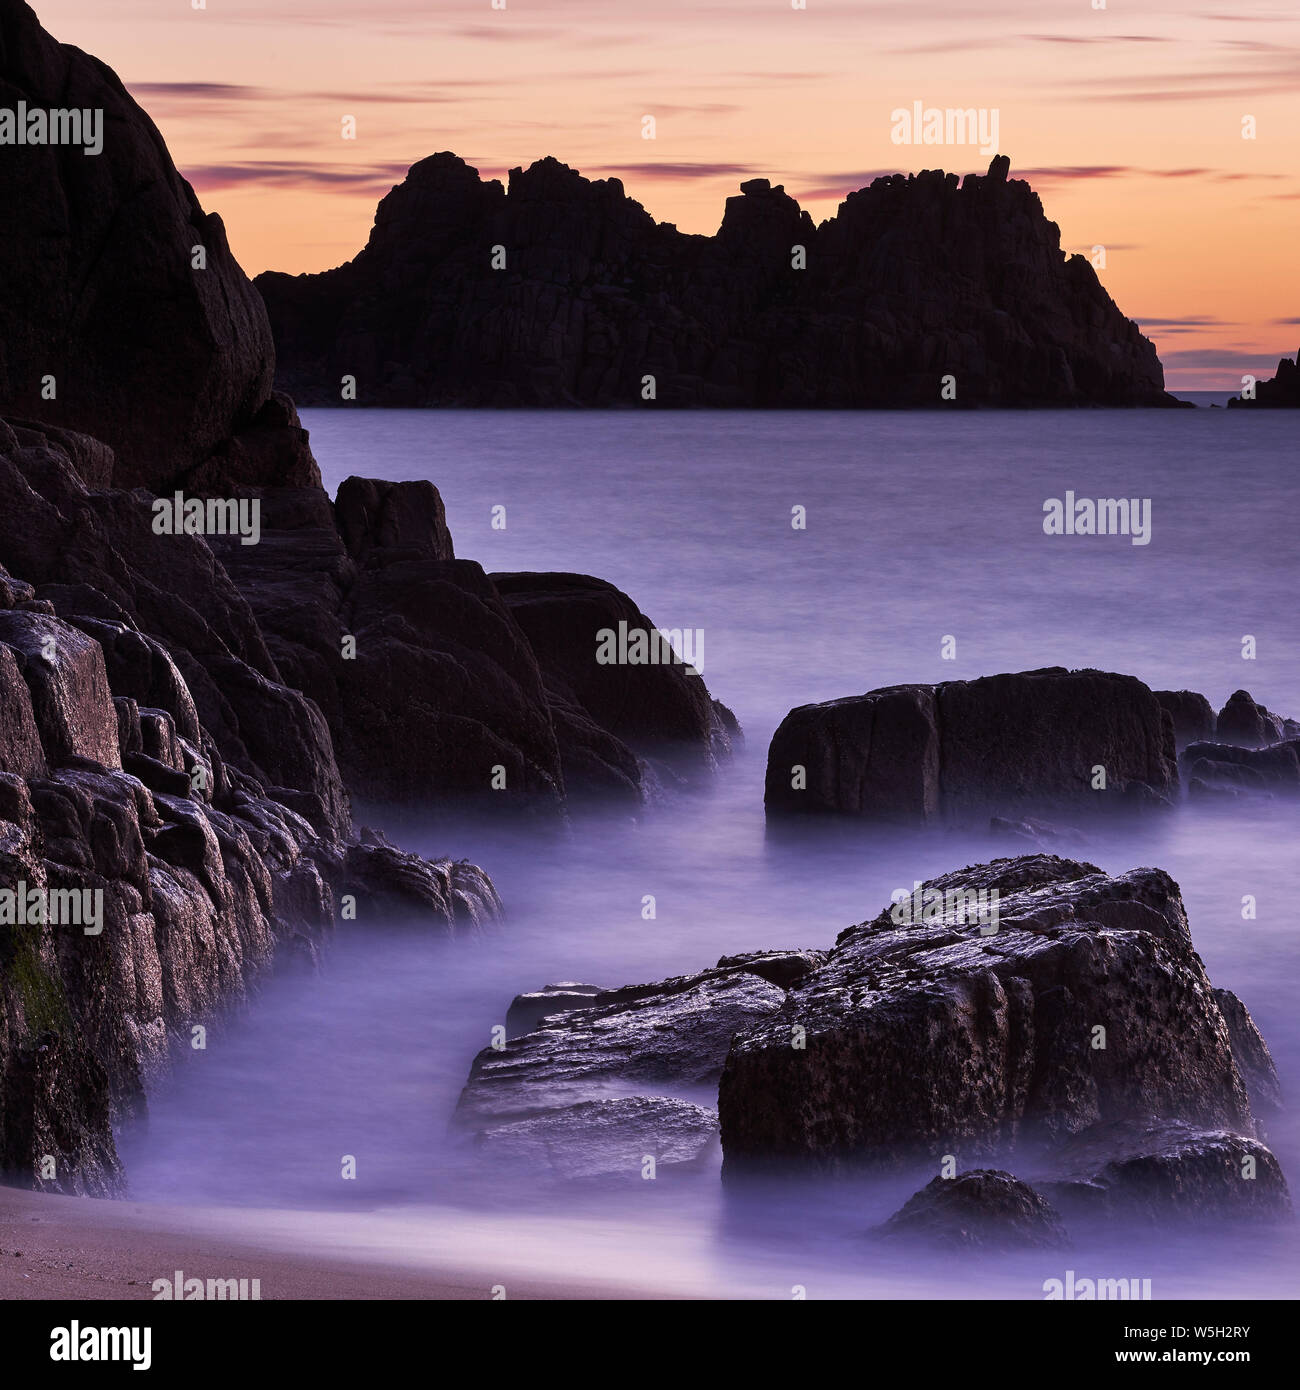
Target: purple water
x,y
918,527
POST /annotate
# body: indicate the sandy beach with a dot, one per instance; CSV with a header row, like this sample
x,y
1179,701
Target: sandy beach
x,y
57,1247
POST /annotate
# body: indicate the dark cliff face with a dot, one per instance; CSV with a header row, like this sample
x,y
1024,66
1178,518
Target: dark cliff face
x,y
916,278
1281,390
107,325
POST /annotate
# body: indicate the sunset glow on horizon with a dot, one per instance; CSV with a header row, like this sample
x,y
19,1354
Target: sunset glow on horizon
x,y
1127,121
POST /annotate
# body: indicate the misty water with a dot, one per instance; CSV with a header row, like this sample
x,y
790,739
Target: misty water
x,y
919,527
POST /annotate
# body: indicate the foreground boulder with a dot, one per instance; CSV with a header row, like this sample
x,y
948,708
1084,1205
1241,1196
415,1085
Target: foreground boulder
x,y
915,278
608,1077
962,751
1163,1171
983,1209
176,805
1081,1001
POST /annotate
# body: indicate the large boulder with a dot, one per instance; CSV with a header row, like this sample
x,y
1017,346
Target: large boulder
x,y
1028,998
964,750
130,320
586,633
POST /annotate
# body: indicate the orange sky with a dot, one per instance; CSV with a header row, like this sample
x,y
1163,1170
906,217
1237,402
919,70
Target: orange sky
x,y
1127,120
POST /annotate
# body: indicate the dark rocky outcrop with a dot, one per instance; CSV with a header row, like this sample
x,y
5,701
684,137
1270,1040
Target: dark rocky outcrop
x,y
1165,1171
1250,725
167,363
916,277
1274,769
151,757
945,1036
963,750
1193,715
459,688
659,709
983,1209
1282,390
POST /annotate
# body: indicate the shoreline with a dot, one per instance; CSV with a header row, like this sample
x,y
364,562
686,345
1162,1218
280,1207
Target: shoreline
x,y
54,1246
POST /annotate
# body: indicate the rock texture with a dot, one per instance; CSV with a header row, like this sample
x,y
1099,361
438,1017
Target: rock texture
x,y
964,750
151,754
936,1037
608,1077
1282,390
915,278
1164,1171
167,363
459,688
1193,715
1244,722
982,1209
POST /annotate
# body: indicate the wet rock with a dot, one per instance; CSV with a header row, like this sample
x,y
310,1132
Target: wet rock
x,y
782,968
983,1209
389,883
917,1037
1193,715
671,1036
907,283
1251,1054
604,1140
528,1010
70,698
1165,1171
962,751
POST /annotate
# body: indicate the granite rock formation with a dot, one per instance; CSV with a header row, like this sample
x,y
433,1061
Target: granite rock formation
x,y
961,751
561,291
942,1036
130,320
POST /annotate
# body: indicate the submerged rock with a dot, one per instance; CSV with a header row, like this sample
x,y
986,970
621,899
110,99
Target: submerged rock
x,y
626,1139
962,751
1085,1002
982,1209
